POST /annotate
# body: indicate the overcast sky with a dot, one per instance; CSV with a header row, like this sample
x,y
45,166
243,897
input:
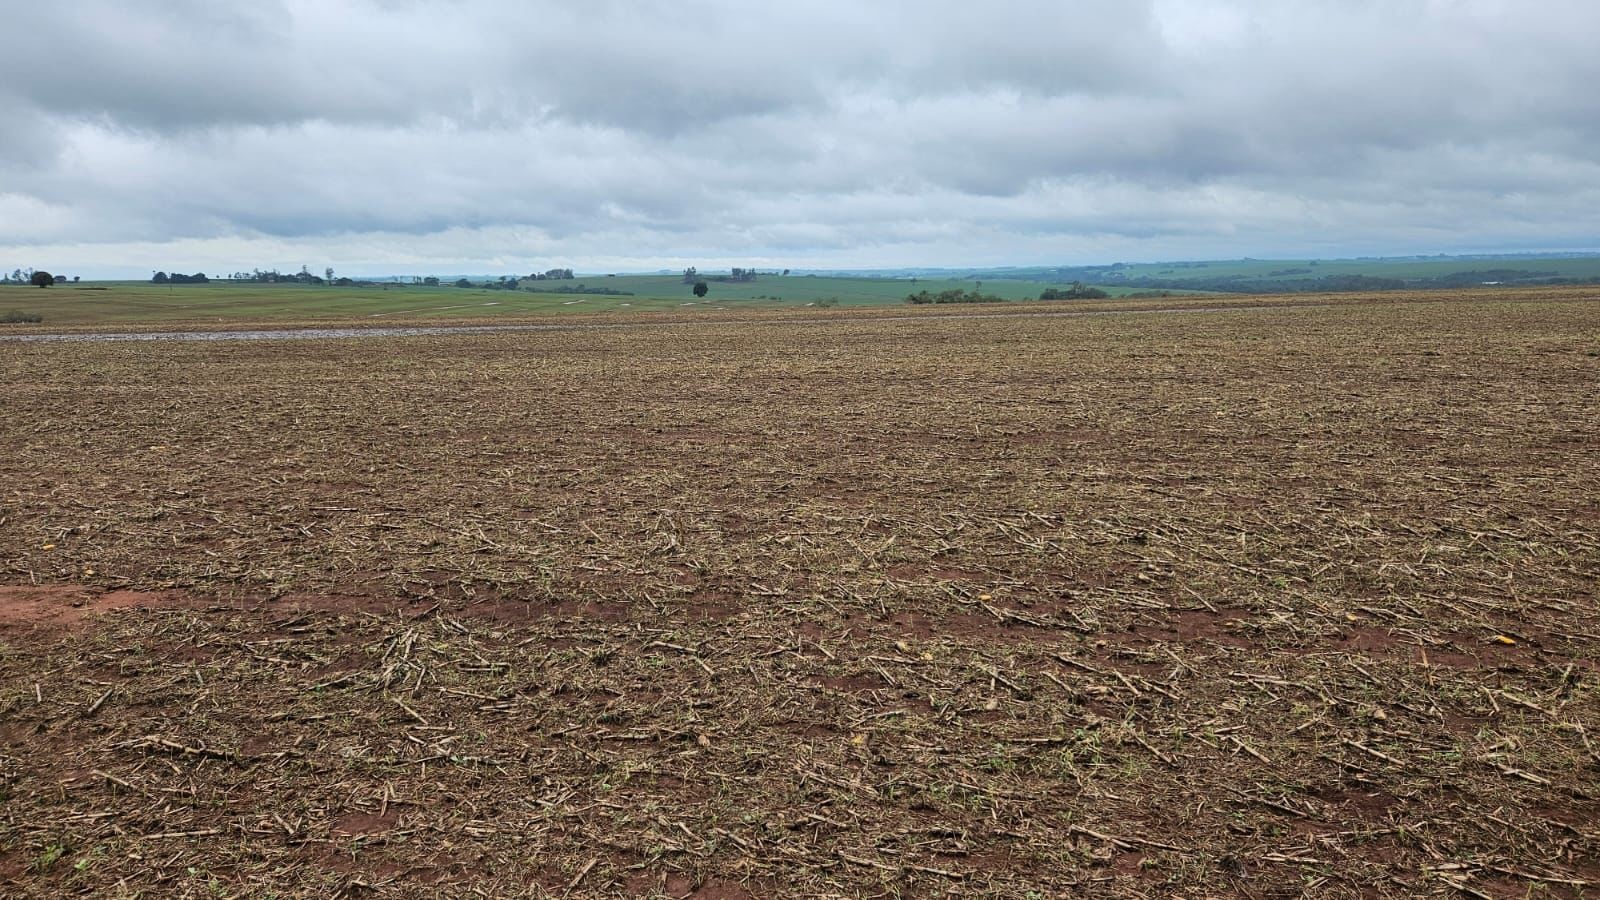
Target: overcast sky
x,y
456,136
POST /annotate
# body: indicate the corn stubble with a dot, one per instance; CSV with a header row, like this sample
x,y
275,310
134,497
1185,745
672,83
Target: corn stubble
x,y
1258,602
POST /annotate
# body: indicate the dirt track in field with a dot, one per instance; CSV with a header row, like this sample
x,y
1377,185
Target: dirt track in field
x,y
1300,602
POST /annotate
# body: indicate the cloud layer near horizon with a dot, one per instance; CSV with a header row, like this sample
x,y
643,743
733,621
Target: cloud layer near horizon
x,y
478,135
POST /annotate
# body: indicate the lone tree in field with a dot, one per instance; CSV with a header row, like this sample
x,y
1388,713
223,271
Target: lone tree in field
x,y
42,279
700,288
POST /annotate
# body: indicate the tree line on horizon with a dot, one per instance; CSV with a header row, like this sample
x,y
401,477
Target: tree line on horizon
x,y
306,276
692,275
35,277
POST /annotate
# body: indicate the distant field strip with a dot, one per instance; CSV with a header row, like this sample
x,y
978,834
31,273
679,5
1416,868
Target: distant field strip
x,y
419,331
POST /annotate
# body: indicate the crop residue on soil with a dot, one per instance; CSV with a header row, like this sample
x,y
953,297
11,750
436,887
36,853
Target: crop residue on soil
x,y
1301,602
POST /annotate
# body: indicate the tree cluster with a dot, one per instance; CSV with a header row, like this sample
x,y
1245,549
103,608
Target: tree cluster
x,y
34,277
510,283
578,289
1077,292
503,283
692,275
180,278
1475,277
273,276
954,295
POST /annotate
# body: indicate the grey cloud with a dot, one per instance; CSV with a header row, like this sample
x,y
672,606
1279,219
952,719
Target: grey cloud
x,y
27,140
826,129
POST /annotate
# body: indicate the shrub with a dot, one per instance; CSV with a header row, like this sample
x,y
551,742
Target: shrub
x,y
1076,292
954,295
19,318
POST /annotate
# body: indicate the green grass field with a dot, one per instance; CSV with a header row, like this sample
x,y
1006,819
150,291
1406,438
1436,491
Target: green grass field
x,y
218,303
110,303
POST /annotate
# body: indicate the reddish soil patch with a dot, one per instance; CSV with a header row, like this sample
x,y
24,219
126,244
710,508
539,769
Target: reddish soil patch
x,y
810,729
67,607
1192,626
12,865
812,631
683,887
350,604
1358,805
1438,656
850,683
514,611
1491,650
264,745
63,607
356,824
711,606
995,860
1382,643
1129,865
1373,640
1131,663
70,607
349,662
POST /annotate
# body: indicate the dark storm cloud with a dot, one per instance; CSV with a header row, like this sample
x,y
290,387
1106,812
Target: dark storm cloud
x,y
1017,130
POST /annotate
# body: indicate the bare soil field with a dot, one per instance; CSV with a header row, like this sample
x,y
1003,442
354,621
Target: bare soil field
x,y
1286,601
